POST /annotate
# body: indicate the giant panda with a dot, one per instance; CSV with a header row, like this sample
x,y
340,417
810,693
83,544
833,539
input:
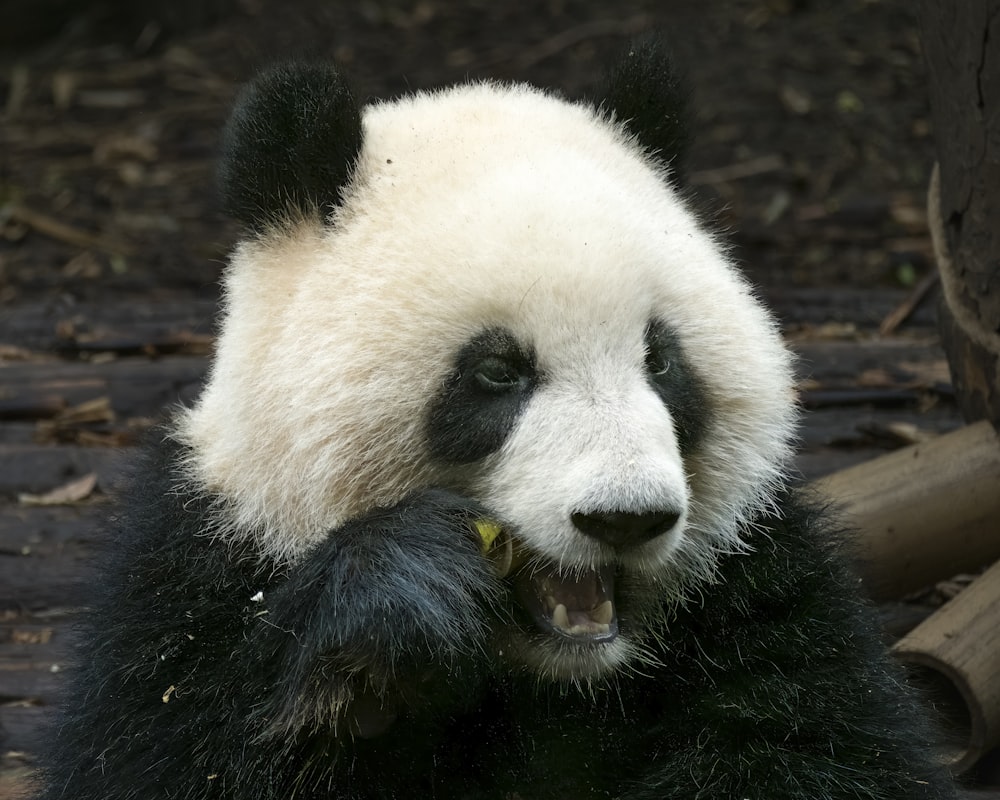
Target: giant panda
x,y
487,492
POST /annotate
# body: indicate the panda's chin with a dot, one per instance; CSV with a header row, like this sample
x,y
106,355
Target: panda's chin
x,y
578,606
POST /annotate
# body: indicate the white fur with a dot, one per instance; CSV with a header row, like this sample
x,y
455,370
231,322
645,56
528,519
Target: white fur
x,y
482,206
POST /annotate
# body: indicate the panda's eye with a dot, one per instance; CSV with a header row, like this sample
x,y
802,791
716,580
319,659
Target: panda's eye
x,y
660,347
657,361
495,374
673,377
493,377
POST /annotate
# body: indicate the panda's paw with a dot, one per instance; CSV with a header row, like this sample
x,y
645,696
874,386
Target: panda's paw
x,y
395,591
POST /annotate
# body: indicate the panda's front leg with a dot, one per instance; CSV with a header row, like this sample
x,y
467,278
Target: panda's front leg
x,y
391,614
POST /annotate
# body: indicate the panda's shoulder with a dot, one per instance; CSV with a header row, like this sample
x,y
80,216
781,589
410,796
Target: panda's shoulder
x,y
800,534
796,567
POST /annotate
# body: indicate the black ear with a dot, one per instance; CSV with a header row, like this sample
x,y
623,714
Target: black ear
x,y
645,92
290,144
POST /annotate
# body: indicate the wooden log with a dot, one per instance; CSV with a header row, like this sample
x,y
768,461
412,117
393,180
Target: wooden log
x,y
923,513
954,655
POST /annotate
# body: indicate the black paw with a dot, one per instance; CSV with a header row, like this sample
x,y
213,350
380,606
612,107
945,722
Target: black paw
x,y
387,599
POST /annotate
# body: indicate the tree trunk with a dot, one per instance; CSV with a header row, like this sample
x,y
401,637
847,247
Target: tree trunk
x,y
962,49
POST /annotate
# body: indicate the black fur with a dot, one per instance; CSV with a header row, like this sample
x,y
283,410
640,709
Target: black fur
x,y
290,145
477,410
678,385
772,686
207,672
644,91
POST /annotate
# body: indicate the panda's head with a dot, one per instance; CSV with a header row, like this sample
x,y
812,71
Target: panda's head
x,y
500,292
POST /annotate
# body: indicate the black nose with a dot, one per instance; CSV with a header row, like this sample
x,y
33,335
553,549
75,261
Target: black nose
x,y
625,528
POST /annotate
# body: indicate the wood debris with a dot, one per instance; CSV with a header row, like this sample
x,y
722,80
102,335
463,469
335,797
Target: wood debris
x,y
68,494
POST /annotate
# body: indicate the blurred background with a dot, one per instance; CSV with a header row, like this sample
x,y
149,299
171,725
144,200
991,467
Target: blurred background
x,y
811,137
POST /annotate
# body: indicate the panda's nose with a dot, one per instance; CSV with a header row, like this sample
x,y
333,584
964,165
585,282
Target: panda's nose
x,y
622,529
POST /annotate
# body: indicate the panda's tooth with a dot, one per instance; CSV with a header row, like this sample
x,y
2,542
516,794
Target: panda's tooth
x,y
560,617
604,613
550,602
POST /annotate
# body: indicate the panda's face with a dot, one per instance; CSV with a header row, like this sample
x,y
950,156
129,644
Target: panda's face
x,y
578,443
511,302
590,411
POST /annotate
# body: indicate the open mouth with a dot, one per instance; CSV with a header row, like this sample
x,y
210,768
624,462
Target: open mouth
x,y
579,605
575,605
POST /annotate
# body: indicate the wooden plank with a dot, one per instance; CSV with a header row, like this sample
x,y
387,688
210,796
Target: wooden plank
x,y
42,531
864,308
25,726
38,468
60,580
183,325
31,660
135,387
15,769
901,361
44,553
877,429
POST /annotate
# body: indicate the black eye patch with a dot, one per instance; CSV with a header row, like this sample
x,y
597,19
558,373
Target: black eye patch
x,y
481,400
683,393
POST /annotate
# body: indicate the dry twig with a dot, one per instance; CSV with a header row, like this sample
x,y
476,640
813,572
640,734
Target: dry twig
x,y
898,315
55,229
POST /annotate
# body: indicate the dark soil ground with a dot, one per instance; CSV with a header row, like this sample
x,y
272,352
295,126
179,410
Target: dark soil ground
x,y
812,149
